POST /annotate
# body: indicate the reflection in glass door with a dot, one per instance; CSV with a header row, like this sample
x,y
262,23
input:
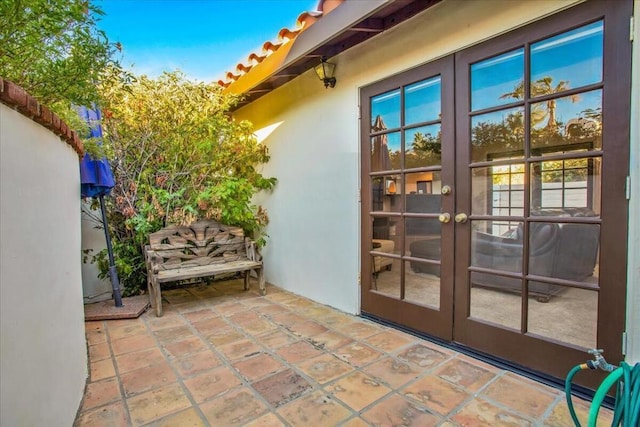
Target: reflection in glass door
x,y
407,278
530,145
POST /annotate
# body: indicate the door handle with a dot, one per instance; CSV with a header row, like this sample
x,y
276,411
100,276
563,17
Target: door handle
x,y
461,218
444,217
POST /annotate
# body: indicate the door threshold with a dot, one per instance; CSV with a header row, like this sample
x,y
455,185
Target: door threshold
x,y
557,383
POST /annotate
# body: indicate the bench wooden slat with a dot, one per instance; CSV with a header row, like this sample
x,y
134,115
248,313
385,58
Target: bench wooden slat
x,y
165,276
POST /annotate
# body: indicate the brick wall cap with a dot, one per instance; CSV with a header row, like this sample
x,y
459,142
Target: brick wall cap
x,y
17,98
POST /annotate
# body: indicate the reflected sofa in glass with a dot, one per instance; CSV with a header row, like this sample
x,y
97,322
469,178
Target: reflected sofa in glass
x,y
566,251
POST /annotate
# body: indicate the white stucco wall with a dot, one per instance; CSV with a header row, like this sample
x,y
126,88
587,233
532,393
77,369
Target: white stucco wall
x,y
43,357
93,288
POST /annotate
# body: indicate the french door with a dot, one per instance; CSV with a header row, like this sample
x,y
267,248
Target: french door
x,y
494,211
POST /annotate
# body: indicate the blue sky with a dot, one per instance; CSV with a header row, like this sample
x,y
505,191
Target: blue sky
x,y
202,38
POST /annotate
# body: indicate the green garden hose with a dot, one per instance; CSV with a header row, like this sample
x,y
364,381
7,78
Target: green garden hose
x,y
627,405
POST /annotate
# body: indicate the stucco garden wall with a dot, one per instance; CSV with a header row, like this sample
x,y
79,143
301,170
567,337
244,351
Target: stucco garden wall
x,y
43,359
313,136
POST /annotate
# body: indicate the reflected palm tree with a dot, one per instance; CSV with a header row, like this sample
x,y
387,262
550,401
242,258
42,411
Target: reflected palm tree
x,y
546,109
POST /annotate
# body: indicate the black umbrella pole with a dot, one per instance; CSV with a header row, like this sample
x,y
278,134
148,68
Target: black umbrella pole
x,y
113,273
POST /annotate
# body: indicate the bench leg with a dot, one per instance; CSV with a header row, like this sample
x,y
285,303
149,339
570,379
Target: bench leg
x,y
155,296
151,291
246,279
261,284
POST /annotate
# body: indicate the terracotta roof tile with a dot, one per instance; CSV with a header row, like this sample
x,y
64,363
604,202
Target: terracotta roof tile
x,y
257,58
16,97
285,36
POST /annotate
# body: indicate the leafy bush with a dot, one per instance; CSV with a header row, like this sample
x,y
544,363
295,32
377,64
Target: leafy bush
x,y
53,49
178,156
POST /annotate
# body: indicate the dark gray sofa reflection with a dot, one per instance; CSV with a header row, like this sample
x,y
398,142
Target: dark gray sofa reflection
x,y
562,251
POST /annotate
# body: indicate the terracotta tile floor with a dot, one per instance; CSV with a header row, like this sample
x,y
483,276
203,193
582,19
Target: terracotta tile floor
x,y
223,357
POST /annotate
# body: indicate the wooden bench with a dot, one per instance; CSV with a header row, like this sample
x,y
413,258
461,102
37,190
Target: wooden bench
x,y
205,248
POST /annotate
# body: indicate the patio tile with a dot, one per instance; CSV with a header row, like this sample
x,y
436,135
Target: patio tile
x,y
224,336
436,394
258,367
211,384
299,351
268,420
281,296
260,326
168,320
230,308
246,316
479,412
324,368
388,341
101,369
336,318
125,330
398,411
157,403
233,409
392,372
187,418
356,422
99,351
197,315
287,318
113,415
299,302
173,334
240,349
316,311
422,356
528,399
463,374
357,354
358,390
282,387
307,329
131,344
270,309
185,347
95,333
196,363
275,339
357,329
178,296
560,417
213,324
317,408
143,379
330,340
101,392
139,359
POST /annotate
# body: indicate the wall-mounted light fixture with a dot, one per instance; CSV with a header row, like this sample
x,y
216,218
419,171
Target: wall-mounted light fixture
x,y
325,71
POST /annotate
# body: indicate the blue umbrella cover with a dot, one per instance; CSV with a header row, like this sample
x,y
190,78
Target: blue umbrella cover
x,y
96,180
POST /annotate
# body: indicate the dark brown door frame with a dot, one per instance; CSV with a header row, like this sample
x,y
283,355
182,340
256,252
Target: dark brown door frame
x,y
438,323
614,212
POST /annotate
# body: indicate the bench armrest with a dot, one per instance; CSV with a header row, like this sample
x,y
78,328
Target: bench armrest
x,y
152,260
253,253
